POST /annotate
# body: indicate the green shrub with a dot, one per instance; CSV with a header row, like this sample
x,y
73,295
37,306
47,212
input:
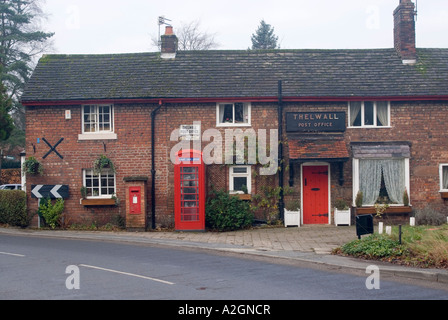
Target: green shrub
x,y
51,212
225,212
373,246
13,208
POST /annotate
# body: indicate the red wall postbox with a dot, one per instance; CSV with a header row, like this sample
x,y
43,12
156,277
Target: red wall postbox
x,y
189,191
135,200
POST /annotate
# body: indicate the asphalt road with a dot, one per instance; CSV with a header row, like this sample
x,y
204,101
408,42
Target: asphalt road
x,y
39,268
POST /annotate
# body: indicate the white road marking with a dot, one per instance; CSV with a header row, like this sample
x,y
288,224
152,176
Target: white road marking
x,y
127,274
12,254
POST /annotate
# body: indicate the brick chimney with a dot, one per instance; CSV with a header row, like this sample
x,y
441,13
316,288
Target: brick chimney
x,y
404,31
168,44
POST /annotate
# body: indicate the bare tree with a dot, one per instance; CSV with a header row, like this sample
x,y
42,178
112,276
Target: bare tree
x,y
190,37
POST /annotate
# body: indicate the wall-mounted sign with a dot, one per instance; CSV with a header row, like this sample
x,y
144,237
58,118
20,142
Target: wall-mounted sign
x,y
49,191
190,132
315,121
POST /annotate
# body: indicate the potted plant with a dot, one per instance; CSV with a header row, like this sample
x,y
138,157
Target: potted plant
x,y
292,213
342,213
83,192
102,162
32,166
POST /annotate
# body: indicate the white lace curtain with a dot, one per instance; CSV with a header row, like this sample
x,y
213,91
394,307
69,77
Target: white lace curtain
x,y
370,179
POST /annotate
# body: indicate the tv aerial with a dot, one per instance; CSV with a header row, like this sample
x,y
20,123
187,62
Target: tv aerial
x,y
163,21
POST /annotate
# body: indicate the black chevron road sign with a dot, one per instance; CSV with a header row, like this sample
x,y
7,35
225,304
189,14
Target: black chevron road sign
x,y
49,191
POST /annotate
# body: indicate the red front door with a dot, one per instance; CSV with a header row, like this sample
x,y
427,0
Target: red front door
x,y
315,195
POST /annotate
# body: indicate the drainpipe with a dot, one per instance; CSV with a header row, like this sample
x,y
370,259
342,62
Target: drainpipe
x,y
153,166
281,203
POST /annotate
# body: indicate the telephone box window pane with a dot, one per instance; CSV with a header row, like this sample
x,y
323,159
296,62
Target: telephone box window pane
x,y
190,197
190,183
189,190
189,177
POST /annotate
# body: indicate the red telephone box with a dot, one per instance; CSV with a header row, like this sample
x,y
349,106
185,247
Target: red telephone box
x,y
189,191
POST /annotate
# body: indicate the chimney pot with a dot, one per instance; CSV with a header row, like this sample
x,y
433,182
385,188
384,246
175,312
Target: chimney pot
x,y
169,30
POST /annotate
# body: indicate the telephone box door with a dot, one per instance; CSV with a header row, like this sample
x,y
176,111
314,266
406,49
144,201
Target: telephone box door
x,y
189,192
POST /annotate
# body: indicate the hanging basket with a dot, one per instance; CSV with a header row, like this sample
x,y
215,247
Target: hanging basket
x,y
101,163
32,166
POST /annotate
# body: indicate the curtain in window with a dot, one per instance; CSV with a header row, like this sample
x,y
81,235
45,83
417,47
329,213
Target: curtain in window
x,y
382,114
393,173
221,113
445,177
355,109
369,180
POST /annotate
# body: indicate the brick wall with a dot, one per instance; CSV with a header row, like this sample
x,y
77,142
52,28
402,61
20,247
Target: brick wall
x,y
420,123
130,152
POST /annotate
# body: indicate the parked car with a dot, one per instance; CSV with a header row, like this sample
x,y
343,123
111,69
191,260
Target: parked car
x,y
11,187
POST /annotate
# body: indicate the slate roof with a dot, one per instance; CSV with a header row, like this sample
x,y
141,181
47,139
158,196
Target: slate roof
x,y
239,73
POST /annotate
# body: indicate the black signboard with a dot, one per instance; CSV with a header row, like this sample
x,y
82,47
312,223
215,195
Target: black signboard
x,y
49,191
315,121
364,225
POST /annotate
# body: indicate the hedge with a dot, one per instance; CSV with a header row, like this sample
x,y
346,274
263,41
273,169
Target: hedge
x,y
13,208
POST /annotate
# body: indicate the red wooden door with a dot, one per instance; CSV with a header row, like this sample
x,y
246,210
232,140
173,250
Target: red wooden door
x,y
315,195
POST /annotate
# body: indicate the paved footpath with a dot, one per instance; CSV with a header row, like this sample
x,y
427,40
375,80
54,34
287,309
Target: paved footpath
x,y
311,244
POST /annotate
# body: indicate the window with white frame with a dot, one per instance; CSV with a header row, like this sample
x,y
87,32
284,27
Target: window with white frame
x,y
99,185
240,179
369,114
381,180
443,174
97,118
233,114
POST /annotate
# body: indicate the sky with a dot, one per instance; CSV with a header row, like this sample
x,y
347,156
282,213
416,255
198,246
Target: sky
x,y
125,26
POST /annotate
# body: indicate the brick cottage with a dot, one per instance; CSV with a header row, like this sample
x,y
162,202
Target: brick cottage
x,y
371,120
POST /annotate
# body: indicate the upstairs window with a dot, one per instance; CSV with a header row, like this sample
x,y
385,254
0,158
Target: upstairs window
x,y
369,114
233,114
97,118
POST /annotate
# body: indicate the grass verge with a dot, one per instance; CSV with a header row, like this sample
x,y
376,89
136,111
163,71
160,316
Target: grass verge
x,y
421,246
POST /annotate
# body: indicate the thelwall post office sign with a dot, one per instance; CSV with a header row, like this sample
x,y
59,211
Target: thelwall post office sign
x,y
315,121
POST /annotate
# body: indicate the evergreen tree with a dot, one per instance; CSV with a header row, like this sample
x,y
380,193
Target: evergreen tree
x,y
21,41
6,123
264,37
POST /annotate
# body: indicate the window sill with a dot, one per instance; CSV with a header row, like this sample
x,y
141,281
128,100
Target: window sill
x,y
391,210
98,202
370,127
444,194
97,136
220,125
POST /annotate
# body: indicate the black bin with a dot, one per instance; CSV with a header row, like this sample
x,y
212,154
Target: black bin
x,y
364,225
